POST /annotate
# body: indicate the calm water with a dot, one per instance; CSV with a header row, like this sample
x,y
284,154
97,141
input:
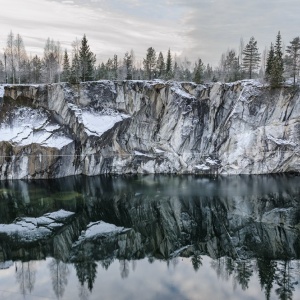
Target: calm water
x,y
184,237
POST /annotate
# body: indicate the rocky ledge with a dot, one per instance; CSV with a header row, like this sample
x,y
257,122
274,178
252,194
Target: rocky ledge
x,y
51,131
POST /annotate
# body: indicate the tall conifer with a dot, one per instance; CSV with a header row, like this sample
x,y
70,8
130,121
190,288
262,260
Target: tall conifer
x,y
277,69
251,57
87,61
169,69
293,62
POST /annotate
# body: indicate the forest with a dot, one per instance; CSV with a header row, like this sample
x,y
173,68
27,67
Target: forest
x,y
273,65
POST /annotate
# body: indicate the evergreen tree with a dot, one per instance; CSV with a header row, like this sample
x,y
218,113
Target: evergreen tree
x,y
36,69
101,72
186,72
251,57
115,67
150,63
75,69
2,72
160,66
276,77
66,67
270,61
208,74
128,66
110,72
231,67
176,71
293,61
87,61
198,72
169,70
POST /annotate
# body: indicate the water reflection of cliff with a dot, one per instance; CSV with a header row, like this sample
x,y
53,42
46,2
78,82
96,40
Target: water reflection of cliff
x,y
244,223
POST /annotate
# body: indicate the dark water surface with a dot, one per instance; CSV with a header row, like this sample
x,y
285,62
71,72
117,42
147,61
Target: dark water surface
x,y
161,237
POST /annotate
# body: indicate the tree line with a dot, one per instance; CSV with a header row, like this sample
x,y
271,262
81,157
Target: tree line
x,y
80,64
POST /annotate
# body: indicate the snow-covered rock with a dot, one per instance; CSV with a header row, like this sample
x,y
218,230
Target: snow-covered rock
x,y
49,131
101,228
1,91
33,229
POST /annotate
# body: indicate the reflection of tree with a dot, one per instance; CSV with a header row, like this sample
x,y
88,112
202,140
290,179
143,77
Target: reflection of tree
x,y
224,267
284,279
196,261
25,275
266,274
86,272
243,272
151,259
59,272
84,293
105,263
133,265
124,268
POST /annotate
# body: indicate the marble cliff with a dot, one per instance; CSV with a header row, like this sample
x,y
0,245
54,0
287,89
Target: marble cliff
x,y
57,130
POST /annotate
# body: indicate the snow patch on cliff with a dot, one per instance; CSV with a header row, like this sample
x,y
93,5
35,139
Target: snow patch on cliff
x,y
177,89
25,126
101,228
1,91
98,123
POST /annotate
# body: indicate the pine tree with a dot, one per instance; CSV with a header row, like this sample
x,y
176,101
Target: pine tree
x,y
277,69
293,61
270,61
231,67
75,69
36,69
115,67
128,66
169,70
160,66
198,72
110,72
66,67
2,73
177,75
101,72
208,74
251,57
150,63
87,61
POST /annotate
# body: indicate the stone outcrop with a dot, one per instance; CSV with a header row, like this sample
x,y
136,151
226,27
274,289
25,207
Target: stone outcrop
x,y
51,131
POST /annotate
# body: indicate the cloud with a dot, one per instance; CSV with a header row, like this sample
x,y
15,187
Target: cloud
x,y
215,26
196,28
109,28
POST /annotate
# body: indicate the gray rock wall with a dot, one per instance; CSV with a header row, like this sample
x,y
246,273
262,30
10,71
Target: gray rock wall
x,y
58,130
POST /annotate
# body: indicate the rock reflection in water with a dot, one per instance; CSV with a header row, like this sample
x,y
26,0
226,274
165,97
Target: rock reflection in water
x,y
248,225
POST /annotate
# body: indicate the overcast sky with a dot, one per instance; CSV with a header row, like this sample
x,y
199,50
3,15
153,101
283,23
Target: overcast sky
x,y
193,28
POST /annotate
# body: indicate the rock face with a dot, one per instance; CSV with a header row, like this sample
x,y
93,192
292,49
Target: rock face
x,y
50,131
